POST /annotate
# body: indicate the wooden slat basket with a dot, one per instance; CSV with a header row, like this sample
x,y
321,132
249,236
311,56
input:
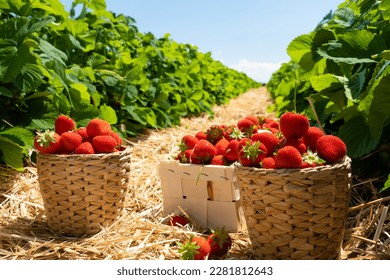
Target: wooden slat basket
x,y
296,213
83,193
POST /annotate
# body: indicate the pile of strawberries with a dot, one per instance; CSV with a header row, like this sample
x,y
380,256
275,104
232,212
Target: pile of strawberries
x,y
263,142
95,138
212,246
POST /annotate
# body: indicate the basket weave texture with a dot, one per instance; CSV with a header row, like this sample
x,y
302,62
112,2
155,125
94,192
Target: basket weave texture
x,y
296,213
83,193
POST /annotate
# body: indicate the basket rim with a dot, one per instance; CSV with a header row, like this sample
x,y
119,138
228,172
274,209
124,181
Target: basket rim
x,y
342,163
124,150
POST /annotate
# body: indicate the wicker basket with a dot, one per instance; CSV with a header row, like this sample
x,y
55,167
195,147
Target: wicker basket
x,y
296,213
83,193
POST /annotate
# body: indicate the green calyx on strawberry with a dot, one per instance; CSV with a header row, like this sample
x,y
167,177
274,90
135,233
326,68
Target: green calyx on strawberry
x,y
47,142
252,152
220,243
311,159
214,133
196,248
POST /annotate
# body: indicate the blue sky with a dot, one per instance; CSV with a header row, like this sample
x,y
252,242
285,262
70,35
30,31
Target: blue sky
x,y
248,35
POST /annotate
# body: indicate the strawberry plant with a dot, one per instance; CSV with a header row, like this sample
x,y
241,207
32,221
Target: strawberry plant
x,y
339,76
96,64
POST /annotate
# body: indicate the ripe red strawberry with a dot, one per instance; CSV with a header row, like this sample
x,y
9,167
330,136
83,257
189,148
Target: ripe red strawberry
x,y
293,125
118,139
232,132
232,149
271,124
221,146
252,153
84,148
268,139
201,135
97,127
297,143
188,142
246,126
178,220
268,163
254,119
83,133
184,157
288,157
203,151
63,124
214,133
197,248
104,144
311,137
220,243
69,141
331,148
218,160
47,142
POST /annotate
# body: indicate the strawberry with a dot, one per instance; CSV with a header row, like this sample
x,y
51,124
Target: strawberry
x,y
83,133
254,119
197,248
331,148
63,124
246,126
178,220
293,125
288,157
84,148
218,160
97,127
47,142
268,163
311,159
118,139
252,153
271,124
231,152
214,133
184,157
311,137
201,135
203,151
69,141
188,142
104,144
268,139
297,143
232,132
220,243
221,146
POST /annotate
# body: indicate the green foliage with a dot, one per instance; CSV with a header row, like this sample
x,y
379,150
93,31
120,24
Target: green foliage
x,y
342,68
97,64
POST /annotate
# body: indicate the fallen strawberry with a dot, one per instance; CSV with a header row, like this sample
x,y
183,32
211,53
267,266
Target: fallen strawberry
x,y
47,142
63,124
178,220
220,243
196,248
331,148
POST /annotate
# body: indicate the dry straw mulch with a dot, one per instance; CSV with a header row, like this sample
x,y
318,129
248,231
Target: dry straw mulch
x,y
142,233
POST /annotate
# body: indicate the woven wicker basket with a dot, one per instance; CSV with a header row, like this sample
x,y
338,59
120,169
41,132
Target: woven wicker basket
x,y
296,213
83,193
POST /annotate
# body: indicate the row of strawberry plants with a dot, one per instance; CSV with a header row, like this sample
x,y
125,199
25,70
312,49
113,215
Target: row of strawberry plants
x,y
339,75
96,64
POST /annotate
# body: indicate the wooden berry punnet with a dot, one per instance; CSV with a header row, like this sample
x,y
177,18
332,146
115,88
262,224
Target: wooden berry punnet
x,y
82,192
207,193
